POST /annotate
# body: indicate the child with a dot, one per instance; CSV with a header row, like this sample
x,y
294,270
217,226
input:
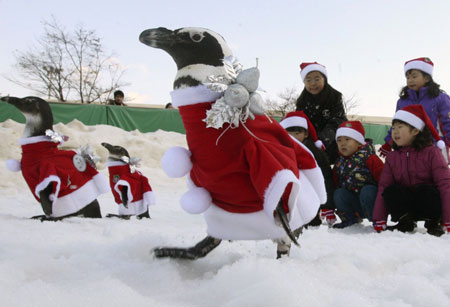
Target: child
x,y
415,182
357,172
322,104
298,125
131,189
421,89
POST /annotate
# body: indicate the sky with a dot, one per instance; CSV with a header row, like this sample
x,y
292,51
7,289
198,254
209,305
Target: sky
x,y
363,44
109,262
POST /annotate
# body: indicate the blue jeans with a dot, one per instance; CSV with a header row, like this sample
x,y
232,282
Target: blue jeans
x,y
348,203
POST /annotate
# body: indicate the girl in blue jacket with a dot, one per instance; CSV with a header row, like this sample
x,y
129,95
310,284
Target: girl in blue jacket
x,y
421,89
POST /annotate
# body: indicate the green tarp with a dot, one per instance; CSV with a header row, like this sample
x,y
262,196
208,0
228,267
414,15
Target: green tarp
x,y
131,118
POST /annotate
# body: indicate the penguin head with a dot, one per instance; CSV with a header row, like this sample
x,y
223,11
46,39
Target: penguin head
x,y
116,152
37,113
197,52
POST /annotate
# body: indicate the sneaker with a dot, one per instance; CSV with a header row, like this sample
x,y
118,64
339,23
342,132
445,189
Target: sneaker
x,y
345,224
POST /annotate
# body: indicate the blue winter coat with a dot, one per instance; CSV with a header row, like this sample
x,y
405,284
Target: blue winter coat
x,y
437,108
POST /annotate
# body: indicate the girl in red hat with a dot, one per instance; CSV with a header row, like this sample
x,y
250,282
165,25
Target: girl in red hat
x,y
322,104
415,182
421,89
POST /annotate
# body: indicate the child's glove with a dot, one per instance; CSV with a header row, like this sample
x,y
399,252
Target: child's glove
x,y
328,215
385,149
447,227
379,226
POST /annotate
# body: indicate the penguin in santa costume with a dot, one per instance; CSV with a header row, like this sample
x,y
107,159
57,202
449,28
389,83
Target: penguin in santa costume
x,y
63,181
245,173
131,189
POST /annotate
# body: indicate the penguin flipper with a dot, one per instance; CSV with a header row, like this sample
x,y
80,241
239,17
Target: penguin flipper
x,y
46,203
201,249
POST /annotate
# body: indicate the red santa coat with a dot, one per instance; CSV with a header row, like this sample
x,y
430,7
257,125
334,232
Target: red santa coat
x,y
140,194
245,174
43,164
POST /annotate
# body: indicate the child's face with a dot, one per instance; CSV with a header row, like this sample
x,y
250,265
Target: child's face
x,y
347,146
415,79
403,134
299,135
314,82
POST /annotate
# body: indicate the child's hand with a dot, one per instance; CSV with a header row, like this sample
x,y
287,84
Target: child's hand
x,y
328,215
447,227
385,149
379,226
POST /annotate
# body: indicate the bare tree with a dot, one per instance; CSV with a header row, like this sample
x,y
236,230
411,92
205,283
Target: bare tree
x,y
68,65
285,103
350,104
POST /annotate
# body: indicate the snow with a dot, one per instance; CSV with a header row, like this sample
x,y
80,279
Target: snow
x,y
108,262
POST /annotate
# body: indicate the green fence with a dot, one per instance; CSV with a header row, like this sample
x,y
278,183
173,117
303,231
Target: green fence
x,y
131,118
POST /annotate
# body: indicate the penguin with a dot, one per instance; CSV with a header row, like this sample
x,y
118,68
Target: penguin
x,y
251,181
61,180
131,189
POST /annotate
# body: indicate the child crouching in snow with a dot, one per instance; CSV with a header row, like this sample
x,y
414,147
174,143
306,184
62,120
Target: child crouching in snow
x,y
131,190
415,182
357,172
298,125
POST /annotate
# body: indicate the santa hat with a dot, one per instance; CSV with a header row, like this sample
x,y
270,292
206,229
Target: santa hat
x,y
422,64
416,116
353,129
299,119
306,68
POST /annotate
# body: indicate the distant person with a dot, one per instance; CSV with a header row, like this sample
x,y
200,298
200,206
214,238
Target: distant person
x,y
421,89
415,182
169,106
357,172
322,104
118,99
298,125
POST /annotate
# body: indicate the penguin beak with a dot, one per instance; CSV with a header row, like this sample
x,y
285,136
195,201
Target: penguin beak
x,y
17,102
107,146
161,38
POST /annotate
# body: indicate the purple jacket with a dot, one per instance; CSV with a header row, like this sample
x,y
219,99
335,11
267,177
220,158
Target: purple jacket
x,y
409,167
438,110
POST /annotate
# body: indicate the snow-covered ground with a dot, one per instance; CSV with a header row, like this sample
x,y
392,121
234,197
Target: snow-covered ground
x,y
108,262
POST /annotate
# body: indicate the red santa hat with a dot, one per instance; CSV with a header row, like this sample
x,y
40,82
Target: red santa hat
x,y
353,129
306,68
300,119
416,116
422,64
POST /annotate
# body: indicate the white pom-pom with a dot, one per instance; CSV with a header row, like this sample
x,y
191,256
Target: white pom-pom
x,y
440,144
319,144
13,165
176,162
196,201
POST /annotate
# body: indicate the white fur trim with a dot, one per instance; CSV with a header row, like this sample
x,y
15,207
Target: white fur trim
x,y
313,67
294,121
115,163
176,162
149,198
196,200
276,189
318,144
350,132
13,165
124,183
44,183
317,180
34,139
410,118
440,144
419,65
193,95
259,225
78,199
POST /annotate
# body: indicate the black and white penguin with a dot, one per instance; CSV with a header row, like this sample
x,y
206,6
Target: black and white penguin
x,y
131,189
257,182
61,180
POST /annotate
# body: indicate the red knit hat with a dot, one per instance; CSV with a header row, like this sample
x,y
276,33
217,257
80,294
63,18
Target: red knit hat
x,y
300,119
306,68
422,64
353,129
416,116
